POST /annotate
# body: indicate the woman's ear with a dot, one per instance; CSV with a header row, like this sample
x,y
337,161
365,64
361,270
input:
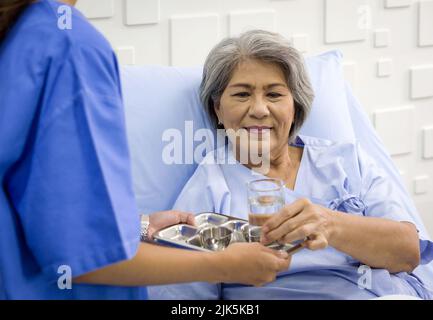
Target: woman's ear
x,y
218,112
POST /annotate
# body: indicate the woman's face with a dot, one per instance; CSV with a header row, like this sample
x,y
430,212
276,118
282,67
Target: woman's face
x,y
259,100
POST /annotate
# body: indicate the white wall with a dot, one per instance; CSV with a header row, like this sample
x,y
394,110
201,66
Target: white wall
x,y
387,44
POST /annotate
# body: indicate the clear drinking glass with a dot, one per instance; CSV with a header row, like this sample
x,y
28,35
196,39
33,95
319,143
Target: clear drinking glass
x,y
265,198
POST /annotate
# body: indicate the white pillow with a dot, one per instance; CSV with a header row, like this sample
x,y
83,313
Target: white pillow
x,y
329,117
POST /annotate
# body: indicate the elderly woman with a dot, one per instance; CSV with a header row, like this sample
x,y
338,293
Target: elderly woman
x,y
360,243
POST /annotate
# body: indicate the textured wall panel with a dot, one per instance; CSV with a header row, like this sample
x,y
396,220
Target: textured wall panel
x,y
397,3
425,20
94,9
422,82
345,20
382,38
141,12
246,20
192,37
421,184
427,142
384,68
396,128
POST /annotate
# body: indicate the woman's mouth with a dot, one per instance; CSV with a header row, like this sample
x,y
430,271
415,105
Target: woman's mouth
x,y
258,129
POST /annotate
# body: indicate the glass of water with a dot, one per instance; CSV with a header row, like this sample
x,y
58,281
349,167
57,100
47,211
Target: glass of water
x,y
265,198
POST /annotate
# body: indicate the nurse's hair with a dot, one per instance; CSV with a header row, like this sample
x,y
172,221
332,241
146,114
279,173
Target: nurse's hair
x,y
263,46
10,10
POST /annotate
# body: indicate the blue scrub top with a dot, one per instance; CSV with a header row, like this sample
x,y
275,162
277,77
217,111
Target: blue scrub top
x,y
66,198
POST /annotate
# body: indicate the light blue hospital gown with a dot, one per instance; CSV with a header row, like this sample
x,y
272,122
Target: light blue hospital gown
x,y
340,176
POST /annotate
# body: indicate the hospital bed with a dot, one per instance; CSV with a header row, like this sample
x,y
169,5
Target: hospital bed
x,y
159,98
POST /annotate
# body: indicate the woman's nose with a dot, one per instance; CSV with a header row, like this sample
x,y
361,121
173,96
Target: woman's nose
x,y
259,109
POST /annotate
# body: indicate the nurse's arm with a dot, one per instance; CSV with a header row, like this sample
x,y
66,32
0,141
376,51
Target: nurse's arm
x,y
247,263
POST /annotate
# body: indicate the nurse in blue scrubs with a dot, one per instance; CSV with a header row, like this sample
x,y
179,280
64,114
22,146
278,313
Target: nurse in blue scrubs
x,y
66,203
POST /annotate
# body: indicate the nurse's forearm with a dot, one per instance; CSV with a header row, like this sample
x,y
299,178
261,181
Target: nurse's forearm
x,y
159,265
379,243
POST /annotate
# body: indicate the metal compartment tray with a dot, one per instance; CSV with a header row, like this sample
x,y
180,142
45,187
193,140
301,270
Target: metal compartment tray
x,y
213,232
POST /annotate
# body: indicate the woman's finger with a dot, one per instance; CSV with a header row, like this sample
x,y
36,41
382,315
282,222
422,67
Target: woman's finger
x,y
300,233
287,227
286,213
316,242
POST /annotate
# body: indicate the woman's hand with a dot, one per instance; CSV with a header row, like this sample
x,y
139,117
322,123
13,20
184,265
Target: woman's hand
x,y
164,219
251,263
298,221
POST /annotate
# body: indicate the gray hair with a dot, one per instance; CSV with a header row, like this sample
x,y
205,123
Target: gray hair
x,y
264,46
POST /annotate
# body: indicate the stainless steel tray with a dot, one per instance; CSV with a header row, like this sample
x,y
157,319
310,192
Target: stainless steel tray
x,y
213,232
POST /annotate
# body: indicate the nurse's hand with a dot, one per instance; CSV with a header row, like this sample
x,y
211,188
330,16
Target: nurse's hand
x,y
301,220
164,219
251,263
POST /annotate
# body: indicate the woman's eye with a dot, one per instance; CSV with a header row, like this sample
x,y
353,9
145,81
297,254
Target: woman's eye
x,y
242,95
274,95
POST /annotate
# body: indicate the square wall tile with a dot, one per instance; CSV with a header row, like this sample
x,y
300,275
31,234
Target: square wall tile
x,y
396,127
382,38
242,21
427,142
397,3
141,12
384,68
192,37
421,78
421,184
95,9
346,20
425,20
